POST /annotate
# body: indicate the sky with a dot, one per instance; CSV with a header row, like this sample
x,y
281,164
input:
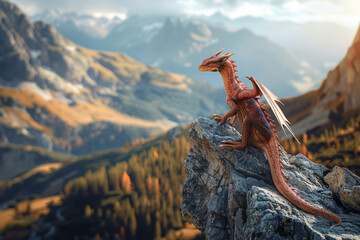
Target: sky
x,y
344,12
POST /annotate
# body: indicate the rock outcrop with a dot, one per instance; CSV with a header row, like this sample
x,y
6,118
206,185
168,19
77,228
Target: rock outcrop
x,y
230,195
338,95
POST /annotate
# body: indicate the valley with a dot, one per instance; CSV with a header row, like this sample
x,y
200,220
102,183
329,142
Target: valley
x,y
93,135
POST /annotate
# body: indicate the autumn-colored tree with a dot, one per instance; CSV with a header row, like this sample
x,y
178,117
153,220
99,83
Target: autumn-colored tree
x,y
126,182
99,213
303,149
305,138
149,182
157,186
157,225
293,147
28,208
88,211
133,223
145,205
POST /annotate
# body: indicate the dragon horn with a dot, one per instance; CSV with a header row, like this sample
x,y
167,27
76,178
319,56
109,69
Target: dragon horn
x,y
227,55
217,53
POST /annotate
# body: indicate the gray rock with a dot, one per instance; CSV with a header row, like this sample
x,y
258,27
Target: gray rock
x,y
230,195
346,185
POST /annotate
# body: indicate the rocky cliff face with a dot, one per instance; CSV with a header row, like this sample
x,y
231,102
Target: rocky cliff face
x,y
337,95
230,195
342,84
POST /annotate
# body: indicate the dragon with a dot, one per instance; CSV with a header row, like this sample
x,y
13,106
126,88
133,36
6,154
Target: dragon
x,y
257,127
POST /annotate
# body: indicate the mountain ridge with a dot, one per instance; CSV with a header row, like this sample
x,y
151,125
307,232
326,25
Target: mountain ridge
x,y
179,43
188,39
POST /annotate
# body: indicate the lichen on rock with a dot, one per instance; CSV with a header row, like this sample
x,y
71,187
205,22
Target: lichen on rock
x,y
230,195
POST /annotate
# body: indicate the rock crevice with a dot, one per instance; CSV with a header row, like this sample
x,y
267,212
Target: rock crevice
x,y
230,195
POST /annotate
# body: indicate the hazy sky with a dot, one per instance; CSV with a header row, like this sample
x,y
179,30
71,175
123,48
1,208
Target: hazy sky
x,y
345,12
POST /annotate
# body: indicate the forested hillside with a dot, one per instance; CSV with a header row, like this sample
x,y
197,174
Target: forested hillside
x,y
134,199
338,145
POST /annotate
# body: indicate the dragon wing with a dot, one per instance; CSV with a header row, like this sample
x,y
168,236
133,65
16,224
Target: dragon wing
x,y
271,98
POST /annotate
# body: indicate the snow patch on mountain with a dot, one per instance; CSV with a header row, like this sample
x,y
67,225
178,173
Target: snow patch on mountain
x,y
70,48
150,27
59,83
35,53
33,87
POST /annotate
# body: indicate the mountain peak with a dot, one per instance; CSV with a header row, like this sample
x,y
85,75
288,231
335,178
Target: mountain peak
x,y
219,16
342,84
357,36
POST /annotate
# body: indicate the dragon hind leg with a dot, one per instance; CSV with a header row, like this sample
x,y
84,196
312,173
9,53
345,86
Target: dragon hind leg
x,y
235,145
246,127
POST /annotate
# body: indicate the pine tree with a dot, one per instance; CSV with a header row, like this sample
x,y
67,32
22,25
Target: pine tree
x,y
133,223
28,208
88,211
157,225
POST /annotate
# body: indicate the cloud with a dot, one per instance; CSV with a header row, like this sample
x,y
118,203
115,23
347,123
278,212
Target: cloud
x,y
85,6
342,11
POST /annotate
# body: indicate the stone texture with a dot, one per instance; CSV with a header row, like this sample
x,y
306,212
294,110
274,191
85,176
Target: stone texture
x,y
230,195
346,185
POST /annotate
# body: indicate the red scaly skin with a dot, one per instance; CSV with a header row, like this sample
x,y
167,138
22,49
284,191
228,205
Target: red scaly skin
x,y
257,128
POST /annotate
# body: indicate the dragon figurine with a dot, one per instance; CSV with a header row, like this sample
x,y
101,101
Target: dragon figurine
x,y
257,127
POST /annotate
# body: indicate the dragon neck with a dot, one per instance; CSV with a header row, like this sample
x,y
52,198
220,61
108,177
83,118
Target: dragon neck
x,y
230,80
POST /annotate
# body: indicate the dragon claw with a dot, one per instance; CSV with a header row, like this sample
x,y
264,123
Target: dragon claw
x,y
217,118
235,145
250,78
229,142
227,145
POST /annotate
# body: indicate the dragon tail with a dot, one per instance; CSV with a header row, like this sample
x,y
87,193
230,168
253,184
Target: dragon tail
x,y
273,153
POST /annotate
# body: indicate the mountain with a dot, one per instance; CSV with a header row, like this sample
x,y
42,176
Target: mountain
x,y
312,48
85,30
179,45
320,44
134,33
63,97
335,101
96,27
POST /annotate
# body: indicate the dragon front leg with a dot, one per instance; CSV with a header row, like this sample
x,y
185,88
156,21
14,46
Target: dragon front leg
x,y
233,120
250,93
233,110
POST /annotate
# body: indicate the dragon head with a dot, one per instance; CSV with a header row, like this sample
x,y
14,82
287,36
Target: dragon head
x,y
215,62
